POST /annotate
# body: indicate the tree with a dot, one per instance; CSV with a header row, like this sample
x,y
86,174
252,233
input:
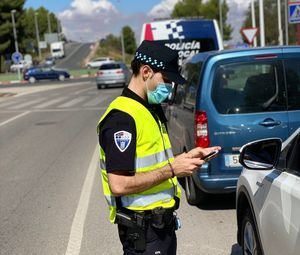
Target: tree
x,y
208,10
271,21
6,28
129,40
29,41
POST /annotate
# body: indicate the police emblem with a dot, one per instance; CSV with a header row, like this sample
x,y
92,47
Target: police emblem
x,y
122,140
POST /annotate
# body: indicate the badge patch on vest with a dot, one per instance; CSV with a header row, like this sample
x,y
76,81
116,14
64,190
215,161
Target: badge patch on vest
x,y
122,140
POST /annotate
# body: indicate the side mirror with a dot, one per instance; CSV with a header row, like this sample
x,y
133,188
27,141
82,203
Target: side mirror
x,y
261,154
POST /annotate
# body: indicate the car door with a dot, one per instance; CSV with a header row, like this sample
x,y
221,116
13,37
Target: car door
x,y
247,103
292,73
181,113
278,201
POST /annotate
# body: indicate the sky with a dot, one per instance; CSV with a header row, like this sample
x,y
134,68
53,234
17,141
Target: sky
x,y
90,20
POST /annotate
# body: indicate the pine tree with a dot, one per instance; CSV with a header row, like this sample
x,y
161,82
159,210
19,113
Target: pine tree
x,y
6,28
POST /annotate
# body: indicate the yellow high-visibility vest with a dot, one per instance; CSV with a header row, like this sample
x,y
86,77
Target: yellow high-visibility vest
x,y
153,150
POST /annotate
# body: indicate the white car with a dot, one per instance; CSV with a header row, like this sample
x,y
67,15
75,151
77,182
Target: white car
x,y
23,64
97,62
268,197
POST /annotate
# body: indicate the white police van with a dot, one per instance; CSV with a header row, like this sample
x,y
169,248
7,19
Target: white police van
x,y
187,36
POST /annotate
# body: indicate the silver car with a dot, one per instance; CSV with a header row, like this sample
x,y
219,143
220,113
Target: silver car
x,y
268,197
113,74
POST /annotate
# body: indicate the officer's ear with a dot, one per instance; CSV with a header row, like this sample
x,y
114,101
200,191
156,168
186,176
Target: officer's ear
x,y
146,72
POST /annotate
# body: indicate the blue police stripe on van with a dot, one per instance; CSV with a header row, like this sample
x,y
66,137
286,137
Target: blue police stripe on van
x,y
122,140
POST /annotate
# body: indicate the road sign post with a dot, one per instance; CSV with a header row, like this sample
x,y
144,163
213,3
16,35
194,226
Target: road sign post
x,y
16,58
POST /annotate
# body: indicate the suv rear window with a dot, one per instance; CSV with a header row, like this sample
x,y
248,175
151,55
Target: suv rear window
x,y
247,87
109,66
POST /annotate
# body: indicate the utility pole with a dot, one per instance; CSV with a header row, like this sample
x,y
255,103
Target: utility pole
x,y
49,23
37,35
262,23
58,29
123,48
286,23
253,21
280,35
15,37
221,18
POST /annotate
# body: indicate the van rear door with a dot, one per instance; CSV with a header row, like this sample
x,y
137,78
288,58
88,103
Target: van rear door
x,y
292,72
244,100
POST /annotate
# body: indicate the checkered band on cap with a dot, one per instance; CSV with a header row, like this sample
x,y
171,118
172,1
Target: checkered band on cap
x,y
149,60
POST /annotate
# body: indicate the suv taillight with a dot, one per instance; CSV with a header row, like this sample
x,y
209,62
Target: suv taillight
x,y
201,129
119,71
99,73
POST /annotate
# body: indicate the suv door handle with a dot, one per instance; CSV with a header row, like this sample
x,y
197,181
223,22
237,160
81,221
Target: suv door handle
x,y
269,123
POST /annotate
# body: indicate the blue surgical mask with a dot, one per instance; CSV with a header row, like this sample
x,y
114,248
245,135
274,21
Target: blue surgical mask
x,y
162,91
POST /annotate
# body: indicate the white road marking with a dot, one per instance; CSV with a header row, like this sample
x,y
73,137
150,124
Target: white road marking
x,y
22,105
54,101
76,235
83,90
96,101
14,118
73,102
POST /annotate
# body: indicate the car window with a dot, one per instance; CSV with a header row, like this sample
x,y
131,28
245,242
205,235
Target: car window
x,y
109,66
247,87
293,159
292,70
191,72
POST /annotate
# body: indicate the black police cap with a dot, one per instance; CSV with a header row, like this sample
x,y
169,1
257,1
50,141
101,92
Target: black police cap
x,y
161,58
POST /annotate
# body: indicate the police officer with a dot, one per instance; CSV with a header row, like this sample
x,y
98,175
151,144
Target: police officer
x,y
139,171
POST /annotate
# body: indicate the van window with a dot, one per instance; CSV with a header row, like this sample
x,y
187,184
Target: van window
x,y
292,70
247,87
191,72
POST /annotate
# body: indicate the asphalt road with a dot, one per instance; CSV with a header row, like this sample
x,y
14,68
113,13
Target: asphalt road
x,y
50,187
75,54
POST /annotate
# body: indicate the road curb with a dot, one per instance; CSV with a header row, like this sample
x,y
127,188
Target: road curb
x,y
26,82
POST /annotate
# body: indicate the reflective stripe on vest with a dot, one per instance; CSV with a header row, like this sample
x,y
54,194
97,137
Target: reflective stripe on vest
x,y
147,161
150,160
142,200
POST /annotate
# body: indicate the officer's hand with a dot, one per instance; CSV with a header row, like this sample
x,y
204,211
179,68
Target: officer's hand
x,y
200,152
185,165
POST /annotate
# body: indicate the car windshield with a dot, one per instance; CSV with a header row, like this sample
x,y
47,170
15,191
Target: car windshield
x,y
109,66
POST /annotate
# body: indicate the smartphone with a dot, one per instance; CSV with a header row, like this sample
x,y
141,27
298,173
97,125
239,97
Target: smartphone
x,y
210,155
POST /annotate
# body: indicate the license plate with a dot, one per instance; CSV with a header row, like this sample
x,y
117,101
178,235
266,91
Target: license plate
x,y
109,82
232,160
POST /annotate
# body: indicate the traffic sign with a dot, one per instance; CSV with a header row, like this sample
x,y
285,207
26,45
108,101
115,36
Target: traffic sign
x,y
249,33
294,12
16,57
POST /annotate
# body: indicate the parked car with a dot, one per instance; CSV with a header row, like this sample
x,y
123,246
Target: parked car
x,y
230,98
268,197
96,63
113,74
45,73
23,64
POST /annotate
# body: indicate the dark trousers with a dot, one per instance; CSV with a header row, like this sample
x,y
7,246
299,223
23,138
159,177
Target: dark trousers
x,y
158,241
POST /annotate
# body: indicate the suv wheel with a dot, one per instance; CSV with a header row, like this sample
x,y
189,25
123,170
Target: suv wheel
x,y
32,79
250,241
194,196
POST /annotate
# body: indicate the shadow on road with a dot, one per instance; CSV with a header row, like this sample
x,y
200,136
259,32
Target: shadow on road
x,y
236,250
219,202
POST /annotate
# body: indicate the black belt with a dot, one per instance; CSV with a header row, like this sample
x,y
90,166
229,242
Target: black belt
x,y
158,217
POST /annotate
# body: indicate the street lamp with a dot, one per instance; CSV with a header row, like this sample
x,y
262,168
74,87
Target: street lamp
x,y
221,17
49,23
15,37
37,34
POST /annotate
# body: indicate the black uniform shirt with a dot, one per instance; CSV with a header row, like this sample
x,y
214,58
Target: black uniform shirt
x,y
118,121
